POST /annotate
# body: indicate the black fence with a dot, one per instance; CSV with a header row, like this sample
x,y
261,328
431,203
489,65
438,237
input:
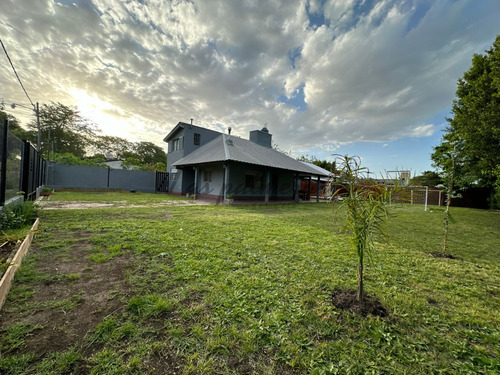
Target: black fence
x,y
161,182
22,169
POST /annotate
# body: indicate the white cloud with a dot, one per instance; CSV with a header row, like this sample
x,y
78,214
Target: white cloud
x,y
372,73
422,131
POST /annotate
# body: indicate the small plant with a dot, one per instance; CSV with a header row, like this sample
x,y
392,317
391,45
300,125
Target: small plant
x,y
450,158
18,215
366,211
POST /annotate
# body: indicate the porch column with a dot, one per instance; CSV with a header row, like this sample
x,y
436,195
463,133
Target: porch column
x,y
268,182
309,188
317,190
297,187
226,180
195,182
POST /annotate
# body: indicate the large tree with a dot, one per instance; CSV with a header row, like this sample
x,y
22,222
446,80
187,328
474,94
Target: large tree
x,y
474,129
14,125
427,178
64,130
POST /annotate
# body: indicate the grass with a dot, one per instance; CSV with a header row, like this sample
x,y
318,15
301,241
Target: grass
x,y
246,289
113,197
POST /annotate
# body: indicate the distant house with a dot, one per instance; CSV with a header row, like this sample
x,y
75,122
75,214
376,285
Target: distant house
x,y
211,164
114,164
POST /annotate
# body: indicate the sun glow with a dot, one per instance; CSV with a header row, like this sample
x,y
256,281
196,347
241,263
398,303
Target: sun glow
x,y
110,119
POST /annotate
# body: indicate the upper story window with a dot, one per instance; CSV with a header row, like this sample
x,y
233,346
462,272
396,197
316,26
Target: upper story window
x,y
176,144
197,139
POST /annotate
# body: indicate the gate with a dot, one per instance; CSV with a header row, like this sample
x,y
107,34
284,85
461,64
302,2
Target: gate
x,y
161,182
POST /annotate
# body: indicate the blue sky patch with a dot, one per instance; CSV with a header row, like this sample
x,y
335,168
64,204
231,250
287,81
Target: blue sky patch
x,y
297,100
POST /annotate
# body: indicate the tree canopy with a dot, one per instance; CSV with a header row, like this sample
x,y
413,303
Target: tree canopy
x,y
69,138
474,129
325,164
63,130
427,178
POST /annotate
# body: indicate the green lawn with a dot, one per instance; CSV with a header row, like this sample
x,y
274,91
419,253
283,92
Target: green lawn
x,y
113,197
247,290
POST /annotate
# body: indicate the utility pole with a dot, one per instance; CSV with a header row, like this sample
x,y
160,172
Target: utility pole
x,y
39,142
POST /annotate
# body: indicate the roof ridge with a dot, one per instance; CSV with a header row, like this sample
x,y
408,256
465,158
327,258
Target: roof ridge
x,y
226,149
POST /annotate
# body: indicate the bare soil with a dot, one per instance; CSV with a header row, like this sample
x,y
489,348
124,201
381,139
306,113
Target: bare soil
x,y
74,297
445,255
346,299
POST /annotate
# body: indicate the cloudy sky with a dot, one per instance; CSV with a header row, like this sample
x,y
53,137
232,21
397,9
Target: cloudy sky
x,y
369,78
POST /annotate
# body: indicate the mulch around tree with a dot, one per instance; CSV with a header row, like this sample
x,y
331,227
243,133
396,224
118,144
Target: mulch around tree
x,y
445,255
346,299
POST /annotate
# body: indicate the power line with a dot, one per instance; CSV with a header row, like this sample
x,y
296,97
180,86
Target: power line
x,y
14,69
71,66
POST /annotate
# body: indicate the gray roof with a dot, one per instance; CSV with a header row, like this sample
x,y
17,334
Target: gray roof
x,y
231,148
321,171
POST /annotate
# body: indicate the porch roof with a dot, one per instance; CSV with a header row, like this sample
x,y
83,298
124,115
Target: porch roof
x,y
230,148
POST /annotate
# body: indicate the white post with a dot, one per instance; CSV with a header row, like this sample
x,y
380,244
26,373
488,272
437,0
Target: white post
x,y
411,195
439,204
426,195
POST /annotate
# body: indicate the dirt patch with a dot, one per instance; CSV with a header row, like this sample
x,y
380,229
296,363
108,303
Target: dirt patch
x,y
6,252
346,299
70,300
70,205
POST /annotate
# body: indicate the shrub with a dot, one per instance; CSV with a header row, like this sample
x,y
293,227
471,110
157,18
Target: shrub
x,y
18,215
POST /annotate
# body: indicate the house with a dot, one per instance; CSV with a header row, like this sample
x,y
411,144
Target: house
x,y
210,164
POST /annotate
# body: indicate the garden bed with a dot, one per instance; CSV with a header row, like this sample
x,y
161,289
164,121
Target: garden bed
x,y
8,275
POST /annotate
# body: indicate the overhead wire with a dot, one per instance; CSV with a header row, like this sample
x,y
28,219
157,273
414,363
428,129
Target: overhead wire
x,y
15,72
68,64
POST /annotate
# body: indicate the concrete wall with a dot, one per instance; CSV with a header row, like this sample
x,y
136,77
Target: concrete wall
x,y
61,176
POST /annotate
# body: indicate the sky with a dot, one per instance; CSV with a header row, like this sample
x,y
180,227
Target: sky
x,y
375,79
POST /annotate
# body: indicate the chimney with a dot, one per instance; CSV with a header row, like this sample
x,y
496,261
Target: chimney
x,y
191,121
229,130
261,137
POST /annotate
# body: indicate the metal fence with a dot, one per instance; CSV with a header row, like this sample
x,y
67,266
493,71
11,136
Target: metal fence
x,y
21,167
419,197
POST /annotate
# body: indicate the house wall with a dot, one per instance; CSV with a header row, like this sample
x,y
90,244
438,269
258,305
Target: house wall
x,y
215,185
185,179
281,182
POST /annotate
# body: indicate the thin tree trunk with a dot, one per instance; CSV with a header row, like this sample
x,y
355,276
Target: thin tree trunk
x,y
443,250
449,194
360,283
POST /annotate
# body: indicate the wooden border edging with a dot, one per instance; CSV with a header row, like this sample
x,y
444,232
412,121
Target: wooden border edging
x,y
6,281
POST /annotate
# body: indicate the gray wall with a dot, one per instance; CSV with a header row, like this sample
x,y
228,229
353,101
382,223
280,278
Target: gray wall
x,y
61,176
283,181
184,184
213,187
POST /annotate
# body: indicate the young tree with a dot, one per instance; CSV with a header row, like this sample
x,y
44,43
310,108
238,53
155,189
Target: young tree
x,y
366,208
449,158
476,120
